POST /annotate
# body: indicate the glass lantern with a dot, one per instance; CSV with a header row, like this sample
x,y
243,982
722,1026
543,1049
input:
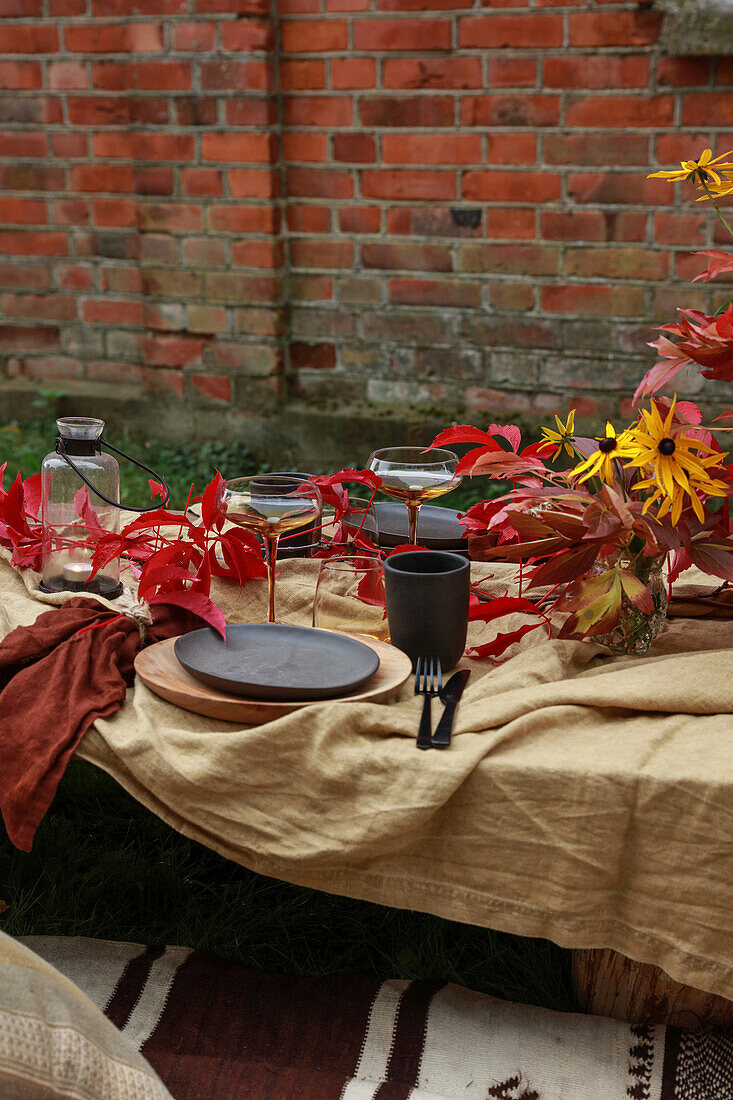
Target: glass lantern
x,y
80,502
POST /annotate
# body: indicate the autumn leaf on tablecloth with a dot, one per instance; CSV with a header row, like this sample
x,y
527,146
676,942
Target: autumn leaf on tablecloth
x,y
720,263
196,602
488,609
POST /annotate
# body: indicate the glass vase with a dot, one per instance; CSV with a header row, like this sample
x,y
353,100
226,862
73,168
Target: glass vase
x,y
635,630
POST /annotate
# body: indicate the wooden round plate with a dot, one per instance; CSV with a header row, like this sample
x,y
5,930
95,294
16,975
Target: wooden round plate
x,y
159,669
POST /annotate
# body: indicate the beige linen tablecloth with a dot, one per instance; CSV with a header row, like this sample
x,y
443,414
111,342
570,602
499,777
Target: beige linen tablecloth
x,y
585,799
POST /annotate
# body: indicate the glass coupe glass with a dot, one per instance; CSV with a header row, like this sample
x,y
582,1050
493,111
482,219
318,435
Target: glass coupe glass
x,y
350,596
269,505
412,475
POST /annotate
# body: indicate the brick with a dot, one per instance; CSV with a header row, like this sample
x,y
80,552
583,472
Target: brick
x,y
402,34
614,187
617,263
20,9
431,72
314,35
169,217
312,356
311,288
202,182
319,254
307,147
406,257
615,28
597,149
302,218
67,75
70,211
27,144
422,5
23,211
433,292
502,187
264,254
532,31
228,286
143,146
699,109
99,111
319,183
159,380
236,7
229,75
241,219
164,317
435,221
447,149
403,184
205,252
678,229
573,225
246,35
625,301
355,148
114,212
122,280
20,76
353,72
302,75
512,148
253,360
50,307
407,327
33,276
111,312
57,369
216,387
251,183
596,71
29,111
202,110
102,177
512,72
509,259
207,319
610,111
192,37
512,223
172,351
672,148
32,177
511,296
359,219
24,38
110,38
158,248
24,338
69,145
153,181
74,276
120,76
237,148
323,111
510,110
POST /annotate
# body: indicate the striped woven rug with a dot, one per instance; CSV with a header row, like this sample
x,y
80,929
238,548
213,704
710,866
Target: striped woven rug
x,y
215,1030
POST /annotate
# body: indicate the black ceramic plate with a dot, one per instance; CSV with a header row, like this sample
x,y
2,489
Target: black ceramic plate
x,y
277,662
437,528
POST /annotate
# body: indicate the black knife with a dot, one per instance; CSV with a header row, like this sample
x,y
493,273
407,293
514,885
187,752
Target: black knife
x,y
449,695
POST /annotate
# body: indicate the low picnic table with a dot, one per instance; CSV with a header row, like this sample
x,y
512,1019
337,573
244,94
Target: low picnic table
x,y
585,799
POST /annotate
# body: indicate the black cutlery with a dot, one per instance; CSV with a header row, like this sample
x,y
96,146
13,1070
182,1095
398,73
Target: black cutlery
x,y
449,695
428,682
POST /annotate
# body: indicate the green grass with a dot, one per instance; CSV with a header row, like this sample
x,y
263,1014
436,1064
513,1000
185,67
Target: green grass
x,y
103,866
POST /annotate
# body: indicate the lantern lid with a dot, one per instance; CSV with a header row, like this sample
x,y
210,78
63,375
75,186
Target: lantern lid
x,y
80,427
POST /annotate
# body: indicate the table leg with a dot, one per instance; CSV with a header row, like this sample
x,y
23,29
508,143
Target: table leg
x,y
606,983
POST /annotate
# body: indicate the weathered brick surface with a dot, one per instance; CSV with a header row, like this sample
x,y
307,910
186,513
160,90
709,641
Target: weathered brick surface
x,y
432,206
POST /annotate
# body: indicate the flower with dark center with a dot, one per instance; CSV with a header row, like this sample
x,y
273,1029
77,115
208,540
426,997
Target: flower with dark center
x,y
600,463
608,445
666,446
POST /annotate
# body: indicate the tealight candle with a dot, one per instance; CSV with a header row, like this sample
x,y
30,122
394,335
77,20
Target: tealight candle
x,y
76,572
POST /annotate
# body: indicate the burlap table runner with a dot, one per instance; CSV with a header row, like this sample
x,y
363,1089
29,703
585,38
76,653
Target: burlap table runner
x,y
585,799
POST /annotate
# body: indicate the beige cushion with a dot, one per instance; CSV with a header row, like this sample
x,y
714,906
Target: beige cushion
x,y
55,1043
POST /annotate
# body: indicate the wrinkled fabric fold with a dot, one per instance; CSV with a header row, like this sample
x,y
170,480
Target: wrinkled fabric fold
x,y
59,675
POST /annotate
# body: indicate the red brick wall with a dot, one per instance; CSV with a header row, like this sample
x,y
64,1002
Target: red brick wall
x,y
349,205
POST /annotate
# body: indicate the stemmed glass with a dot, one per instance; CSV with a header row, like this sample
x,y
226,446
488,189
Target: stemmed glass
x,y
270,505
413,476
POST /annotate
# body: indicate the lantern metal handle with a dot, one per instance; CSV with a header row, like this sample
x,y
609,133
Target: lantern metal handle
x,y
61,450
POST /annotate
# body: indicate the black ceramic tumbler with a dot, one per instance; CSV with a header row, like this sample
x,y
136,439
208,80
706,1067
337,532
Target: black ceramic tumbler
x,y
427,594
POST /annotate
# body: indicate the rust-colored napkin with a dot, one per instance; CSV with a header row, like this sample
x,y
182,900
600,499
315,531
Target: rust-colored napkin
x,y
56,679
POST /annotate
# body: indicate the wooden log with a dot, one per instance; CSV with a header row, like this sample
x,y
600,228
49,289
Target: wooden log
x,y
607,983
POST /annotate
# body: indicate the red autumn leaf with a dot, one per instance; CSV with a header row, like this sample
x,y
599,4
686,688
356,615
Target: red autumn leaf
x,y
464,433
486,610
637,592
565,566
506,464
157,490
713,555
720,263
501,642
31,494
510,432
210,514
370,588
86,510
196,602
332,487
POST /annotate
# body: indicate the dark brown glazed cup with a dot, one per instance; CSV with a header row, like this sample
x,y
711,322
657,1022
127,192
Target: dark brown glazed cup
x,y
427,594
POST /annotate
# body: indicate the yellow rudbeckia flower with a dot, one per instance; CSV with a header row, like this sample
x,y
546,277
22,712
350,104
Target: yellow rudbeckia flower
x,y
676,465
600,463
562,438
700,169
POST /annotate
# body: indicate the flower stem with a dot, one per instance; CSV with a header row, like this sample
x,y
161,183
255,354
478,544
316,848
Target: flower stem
x,y
718,211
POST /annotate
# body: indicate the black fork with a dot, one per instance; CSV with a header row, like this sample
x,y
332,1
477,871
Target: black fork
x,y
428,682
